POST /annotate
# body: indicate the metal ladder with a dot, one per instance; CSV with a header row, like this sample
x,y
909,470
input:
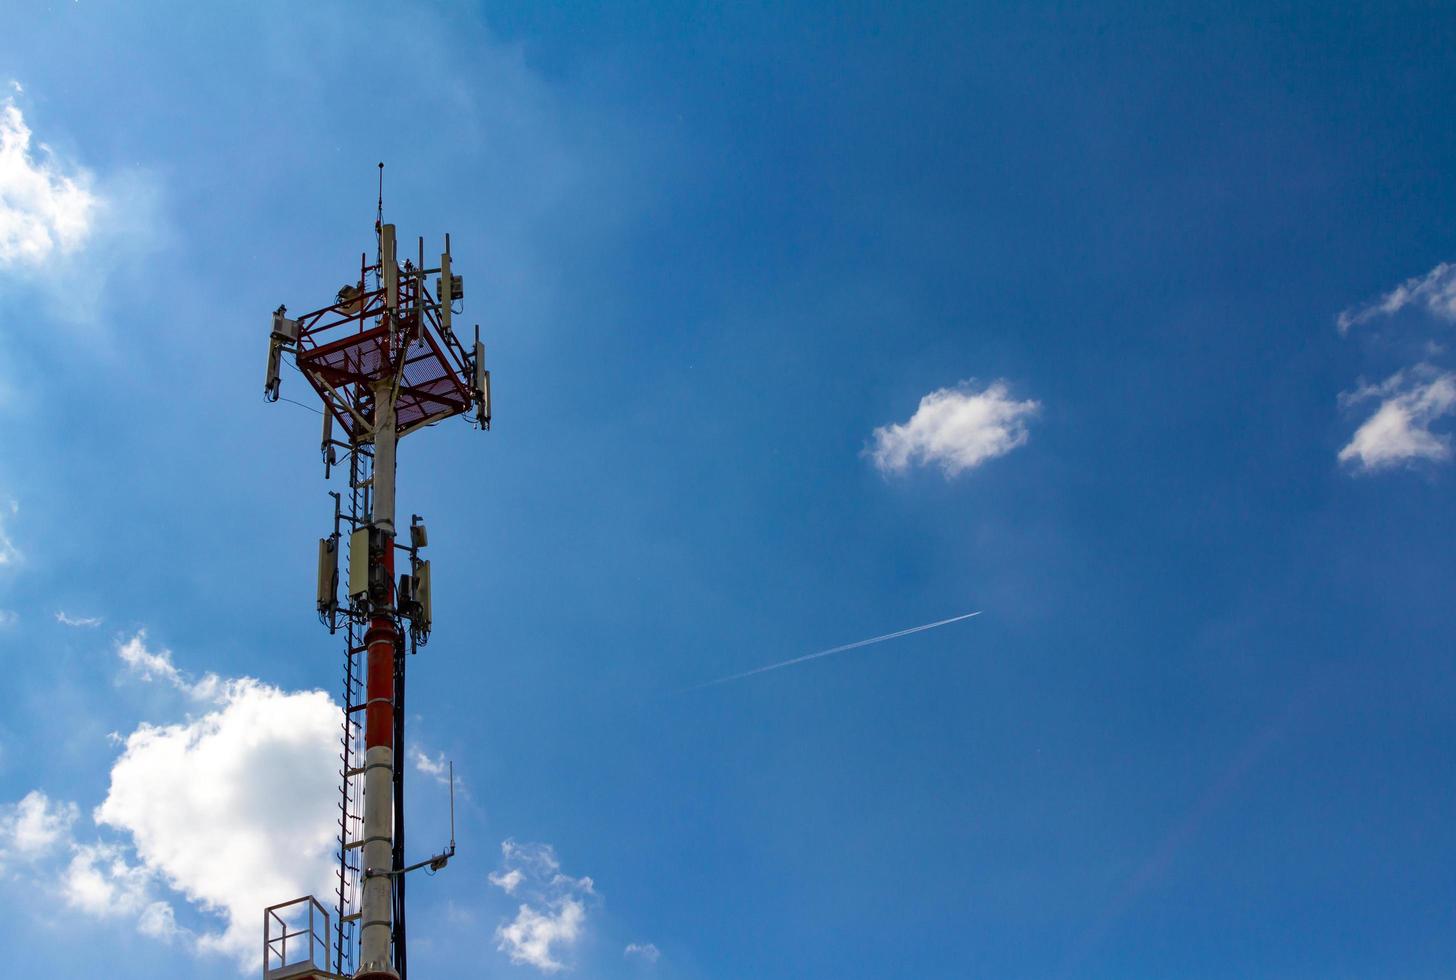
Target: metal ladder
x,y
351,746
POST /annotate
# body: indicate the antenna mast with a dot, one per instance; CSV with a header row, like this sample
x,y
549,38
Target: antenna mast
x,y
385,361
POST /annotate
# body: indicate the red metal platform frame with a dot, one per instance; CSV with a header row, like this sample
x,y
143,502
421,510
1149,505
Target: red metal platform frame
x,y
348,347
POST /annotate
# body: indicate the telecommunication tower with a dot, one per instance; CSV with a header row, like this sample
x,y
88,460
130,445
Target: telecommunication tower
x,y
385,360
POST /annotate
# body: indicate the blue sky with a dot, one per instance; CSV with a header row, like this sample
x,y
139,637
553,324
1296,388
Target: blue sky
x,y
1131,330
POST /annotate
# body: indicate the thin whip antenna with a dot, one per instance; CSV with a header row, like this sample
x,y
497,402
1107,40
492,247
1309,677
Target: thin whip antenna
x,y
452,806
379,225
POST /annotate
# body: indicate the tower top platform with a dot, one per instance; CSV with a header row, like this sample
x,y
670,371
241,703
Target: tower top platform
x,y
347,348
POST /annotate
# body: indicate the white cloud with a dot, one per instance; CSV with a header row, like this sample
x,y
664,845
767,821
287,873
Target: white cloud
x,y
66,234
100,881
1399,430
1435,292
81,622
9,554
8,617
553,915
159,921
35,826
234,810
643,951
437,768
156,665
958,428
529,937
46,205
509,881
148,664
95,878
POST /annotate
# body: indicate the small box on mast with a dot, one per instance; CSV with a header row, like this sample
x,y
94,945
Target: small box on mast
x,y
328,575
424,609
284,334
359,563
284,329
390,269
445,287
480,383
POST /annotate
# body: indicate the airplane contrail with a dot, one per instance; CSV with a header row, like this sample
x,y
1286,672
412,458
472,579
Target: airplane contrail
x,y
831,652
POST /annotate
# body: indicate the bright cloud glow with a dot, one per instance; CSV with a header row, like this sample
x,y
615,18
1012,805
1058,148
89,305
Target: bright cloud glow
x,y
45,205
957,428
552,916
1434,292
1399,430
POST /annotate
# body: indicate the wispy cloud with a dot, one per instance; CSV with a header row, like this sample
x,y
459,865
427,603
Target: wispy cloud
x,y
1434,292
9,554
507,881
34,827
531,936
956,428
437,768
552,914
1399,432
38,838
156,665
101,881
46,203
647,952
80,622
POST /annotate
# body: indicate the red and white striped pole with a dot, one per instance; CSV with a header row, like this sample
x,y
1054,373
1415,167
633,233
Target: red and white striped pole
x,y
377,906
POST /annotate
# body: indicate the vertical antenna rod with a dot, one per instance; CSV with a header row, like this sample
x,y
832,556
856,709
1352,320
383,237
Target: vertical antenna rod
x,y
379,229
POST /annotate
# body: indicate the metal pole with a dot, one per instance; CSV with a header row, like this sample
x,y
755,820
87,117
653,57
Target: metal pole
x,y
378,900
